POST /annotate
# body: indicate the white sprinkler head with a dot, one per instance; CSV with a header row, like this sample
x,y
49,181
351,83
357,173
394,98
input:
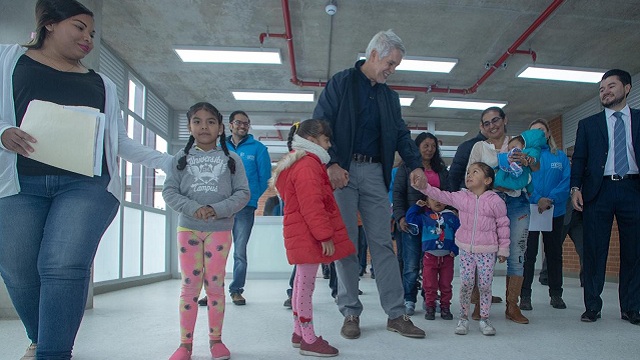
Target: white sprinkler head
x,y
331,9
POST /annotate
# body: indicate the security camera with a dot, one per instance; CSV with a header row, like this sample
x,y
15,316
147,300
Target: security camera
x,y
331,9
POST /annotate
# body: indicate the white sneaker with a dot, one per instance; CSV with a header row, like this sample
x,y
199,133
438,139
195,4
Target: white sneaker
x,y
410,307
463,327
486,327
30,354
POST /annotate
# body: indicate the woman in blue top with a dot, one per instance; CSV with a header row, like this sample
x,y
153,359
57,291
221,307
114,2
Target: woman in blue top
x,y
550,188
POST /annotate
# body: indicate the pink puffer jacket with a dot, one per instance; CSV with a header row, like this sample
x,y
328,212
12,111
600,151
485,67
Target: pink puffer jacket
x,y
484,225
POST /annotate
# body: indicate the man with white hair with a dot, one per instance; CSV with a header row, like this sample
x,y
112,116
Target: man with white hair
x,y
368,129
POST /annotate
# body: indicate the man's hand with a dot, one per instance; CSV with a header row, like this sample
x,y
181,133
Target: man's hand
x,y
338,176
16,140
576,200
418,180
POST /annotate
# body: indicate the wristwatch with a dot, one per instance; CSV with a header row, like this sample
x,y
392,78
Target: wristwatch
x,y
574,189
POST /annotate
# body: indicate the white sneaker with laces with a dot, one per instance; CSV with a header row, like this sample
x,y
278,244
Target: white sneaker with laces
x,y
487,328
30,354
463,327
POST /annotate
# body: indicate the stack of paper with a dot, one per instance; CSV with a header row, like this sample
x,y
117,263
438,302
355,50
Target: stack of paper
x,y
68,137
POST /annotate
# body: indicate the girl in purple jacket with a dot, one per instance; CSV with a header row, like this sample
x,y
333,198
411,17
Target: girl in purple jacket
x,y
483,235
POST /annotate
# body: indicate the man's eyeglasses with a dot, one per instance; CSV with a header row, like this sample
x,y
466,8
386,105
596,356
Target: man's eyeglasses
x,y
493,121
241,123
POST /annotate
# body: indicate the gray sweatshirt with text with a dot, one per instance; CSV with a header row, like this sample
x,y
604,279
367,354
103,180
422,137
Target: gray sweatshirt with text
x,y
206,180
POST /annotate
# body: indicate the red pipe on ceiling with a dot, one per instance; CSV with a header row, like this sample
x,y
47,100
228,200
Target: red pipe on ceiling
x,y
512,50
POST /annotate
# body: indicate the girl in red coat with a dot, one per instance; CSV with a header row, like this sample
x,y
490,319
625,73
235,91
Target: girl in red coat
x,y
314,232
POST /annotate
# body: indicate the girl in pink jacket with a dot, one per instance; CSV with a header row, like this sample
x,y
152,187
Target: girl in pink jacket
x,y
483,235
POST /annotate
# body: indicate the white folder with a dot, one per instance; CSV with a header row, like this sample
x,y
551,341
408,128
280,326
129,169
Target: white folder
x,y
68,137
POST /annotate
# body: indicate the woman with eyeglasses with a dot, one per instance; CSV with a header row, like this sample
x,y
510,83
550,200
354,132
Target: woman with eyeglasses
x,y
493,124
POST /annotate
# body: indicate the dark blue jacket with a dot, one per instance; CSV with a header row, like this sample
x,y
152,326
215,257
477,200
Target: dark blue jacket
x,y
437,230
591,149
337,104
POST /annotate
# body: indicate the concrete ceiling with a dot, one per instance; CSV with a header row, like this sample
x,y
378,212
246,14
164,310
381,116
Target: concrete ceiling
x,y
582,33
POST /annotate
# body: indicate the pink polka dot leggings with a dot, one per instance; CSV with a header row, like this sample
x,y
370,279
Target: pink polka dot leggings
x,y
484,263
302,301
203,258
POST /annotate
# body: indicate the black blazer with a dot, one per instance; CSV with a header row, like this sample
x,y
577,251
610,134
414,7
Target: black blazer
x,y
591,149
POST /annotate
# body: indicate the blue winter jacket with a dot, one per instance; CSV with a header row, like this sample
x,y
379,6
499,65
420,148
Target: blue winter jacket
x,y
437,230
534,140
257,165
337,105
552,180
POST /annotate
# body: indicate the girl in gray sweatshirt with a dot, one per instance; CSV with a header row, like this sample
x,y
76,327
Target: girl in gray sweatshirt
x,y
207,185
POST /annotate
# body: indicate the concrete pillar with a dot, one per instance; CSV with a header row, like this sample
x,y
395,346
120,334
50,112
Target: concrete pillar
x,y
17,22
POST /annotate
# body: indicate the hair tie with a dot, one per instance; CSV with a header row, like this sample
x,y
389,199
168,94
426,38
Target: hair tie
x,y
296,125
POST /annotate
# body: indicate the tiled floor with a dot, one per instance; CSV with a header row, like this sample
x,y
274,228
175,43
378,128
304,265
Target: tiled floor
x,y
142,323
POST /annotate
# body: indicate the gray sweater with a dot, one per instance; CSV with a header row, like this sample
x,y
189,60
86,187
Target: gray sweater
x,y
206,180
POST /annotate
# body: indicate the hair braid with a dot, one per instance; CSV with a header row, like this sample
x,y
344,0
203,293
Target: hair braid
x,y
292,132
231,163
182,162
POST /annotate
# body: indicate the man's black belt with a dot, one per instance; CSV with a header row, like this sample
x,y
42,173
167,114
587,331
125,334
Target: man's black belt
x,y
616,177
366,158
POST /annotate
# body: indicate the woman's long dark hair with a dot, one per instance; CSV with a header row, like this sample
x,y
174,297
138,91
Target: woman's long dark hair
x,y
52,12
182,162
309,128
436,162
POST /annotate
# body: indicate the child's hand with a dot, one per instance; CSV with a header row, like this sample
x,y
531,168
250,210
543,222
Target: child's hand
x,y
204,213
421,203
328,249
502,259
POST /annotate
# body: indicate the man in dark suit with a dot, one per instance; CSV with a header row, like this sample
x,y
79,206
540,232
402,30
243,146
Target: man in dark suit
x,y
604,183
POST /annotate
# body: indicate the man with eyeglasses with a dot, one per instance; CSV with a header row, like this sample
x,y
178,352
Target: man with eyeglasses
x,y
257,165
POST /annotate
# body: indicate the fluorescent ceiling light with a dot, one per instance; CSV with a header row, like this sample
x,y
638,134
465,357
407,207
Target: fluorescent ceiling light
x,y
440,132
204,54
424,64
465,104
561,73
406,100
300,96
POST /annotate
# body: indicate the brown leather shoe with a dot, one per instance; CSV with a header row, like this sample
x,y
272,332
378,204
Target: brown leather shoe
x,y
403,325
350,327
238,299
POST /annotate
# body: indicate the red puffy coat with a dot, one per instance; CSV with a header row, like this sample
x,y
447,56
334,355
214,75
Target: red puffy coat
x,y
311,214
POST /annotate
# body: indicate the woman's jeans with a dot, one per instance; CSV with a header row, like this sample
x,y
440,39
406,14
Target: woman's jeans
x,y
518,213
49,234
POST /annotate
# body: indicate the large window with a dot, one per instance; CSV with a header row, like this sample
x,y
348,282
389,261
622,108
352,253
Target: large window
x,y
135,245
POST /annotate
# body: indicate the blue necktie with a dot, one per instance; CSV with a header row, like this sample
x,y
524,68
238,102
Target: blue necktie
x,y
621,164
